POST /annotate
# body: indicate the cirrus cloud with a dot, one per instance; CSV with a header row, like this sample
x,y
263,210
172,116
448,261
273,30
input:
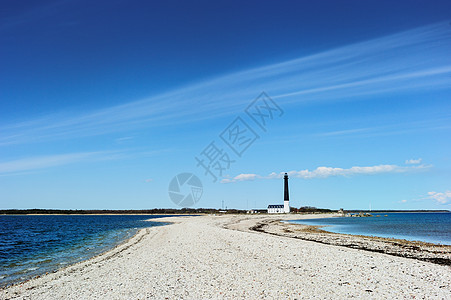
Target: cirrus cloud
x,y
47,161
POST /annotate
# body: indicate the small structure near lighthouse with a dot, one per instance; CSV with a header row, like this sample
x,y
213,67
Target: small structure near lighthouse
x,y
279,208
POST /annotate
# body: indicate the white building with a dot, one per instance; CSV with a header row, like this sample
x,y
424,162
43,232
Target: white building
x,y
276,209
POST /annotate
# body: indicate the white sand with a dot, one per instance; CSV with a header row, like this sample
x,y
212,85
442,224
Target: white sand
x,y
197,258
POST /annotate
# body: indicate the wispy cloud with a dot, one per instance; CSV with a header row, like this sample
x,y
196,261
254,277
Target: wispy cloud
x,y
48,161
325,172
36,163
123,139
393,128
344,132
413,161
415,60
440,197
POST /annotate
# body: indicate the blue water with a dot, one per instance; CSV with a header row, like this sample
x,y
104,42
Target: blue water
x,y
426,227
33,245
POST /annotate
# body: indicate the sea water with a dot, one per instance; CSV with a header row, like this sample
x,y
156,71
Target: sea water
x,y
426,227
32,245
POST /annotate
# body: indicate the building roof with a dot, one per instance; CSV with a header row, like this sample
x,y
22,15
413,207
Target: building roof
x,y
275,206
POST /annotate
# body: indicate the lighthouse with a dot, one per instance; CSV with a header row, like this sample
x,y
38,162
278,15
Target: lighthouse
x,y
279,208
286,195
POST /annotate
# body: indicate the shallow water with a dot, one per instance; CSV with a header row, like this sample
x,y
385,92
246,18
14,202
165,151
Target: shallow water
x,y
426,227
32,245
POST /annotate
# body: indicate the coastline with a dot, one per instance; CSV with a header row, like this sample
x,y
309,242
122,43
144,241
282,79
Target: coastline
x,y
70,268
221,257
73,264
424,251
120,237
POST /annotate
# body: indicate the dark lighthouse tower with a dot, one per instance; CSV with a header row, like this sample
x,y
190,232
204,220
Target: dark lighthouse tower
x,y
286,195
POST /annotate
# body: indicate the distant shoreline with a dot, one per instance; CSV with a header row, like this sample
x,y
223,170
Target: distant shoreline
x,y
106,214
399,211
184,211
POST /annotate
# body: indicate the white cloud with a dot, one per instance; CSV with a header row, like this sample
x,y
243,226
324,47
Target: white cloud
x,y
403,201
413,161
325,172
241,177
440,198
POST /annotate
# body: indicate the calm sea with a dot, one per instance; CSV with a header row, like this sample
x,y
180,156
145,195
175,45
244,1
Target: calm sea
x,y
33,245
426,227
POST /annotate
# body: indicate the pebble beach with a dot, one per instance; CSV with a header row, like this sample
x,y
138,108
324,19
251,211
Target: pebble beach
x,y
222,257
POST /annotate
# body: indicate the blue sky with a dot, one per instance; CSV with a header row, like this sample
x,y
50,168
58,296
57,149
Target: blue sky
x,y
102,104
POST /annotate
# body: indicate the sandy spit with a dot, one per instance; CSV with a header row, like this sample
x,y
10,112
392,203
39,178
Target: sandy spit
x,y
218,257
